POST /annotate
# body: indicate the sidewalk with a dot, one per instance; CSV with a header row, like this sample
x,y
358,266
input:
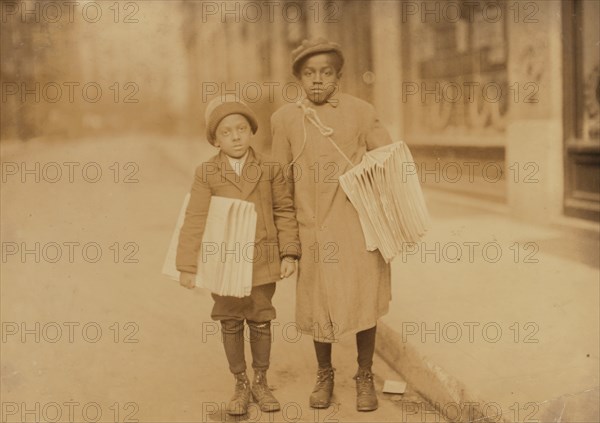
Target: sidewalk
x,y
493,317
510,330
498,315
99,334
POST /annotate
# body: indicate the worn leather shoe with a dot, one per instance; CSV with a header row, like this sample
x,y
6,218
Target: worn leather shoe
x,y
321,394
238,405
262,394
366,398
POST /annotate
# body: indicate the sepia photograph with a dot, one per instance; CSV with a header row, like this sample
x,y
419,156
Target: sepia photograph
x,y
378,211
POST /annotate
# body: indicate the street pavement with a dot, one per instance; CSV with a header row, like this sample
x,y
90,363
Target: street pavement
x,y
91,330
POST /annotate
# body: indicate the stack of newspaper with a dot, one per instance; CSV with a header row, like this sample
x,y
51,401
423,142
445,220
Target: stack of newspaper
x,y
384,188
227,251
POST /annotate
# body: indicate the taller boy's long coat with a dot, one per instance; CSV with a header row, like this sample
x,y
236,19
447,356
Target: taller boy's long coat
x,y
261,182
342,288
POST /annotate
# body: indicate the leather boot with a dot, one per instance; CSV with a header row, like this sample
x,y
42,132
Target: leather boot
x,y
238,405
321,394
262,394
366,398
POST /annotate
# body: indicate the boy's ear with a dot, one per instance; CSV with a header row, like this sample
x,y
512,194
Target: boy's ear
x,y
217,143
339,74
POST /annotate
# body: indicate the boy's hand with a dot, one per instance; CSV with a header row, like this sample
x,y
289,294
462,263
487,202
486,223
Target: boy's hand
x,y
187,280
288,267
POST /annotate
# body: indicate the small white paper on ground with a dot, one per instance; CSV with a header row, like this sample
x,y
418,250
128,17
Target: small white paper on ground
x,y
394,387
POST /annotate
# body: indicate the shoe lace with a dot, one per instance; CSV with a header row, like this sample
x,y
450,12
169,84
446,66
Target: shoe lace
x,y
261,389
260,386
364,383
241,385
323,375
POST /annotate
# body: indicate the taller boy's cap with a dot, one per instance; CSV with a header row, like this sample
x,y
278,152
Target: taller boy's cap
x,y
222,106
311,47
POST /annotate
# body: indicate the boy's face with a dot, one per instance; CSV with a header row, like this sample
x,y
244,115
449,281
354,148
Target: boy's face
x,y
233,135
319,77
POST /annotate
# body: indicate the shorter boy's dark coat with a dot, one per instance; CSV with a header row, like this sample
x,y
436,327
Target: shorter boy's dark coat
x,y
261,182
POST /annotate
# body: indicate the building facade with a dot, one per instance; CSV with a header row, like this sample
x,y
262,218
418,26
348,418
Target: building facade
x,y
497,100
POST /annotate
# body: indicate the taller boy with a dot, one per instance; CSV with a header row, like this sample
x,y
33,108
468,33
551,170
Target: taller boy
x,y
342,288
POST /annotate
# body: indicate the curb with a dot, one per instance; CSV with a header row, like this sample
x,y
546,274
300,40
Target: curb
x,y
442,390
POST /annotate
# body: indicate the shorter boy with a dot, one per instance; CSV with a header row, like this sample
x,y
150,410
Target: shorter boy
x,y
237,171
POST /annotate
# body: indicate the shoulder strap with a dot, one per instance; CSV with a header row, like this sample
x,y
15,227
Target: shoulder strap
x,y
311,115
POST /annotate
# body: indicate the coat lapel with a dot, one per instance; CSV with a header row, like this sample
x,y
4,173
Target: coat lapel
x,y
251,173
227,172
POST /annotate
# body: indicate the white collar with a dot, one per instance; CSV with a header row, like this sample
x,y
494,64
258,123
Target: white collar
x,y
237,164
